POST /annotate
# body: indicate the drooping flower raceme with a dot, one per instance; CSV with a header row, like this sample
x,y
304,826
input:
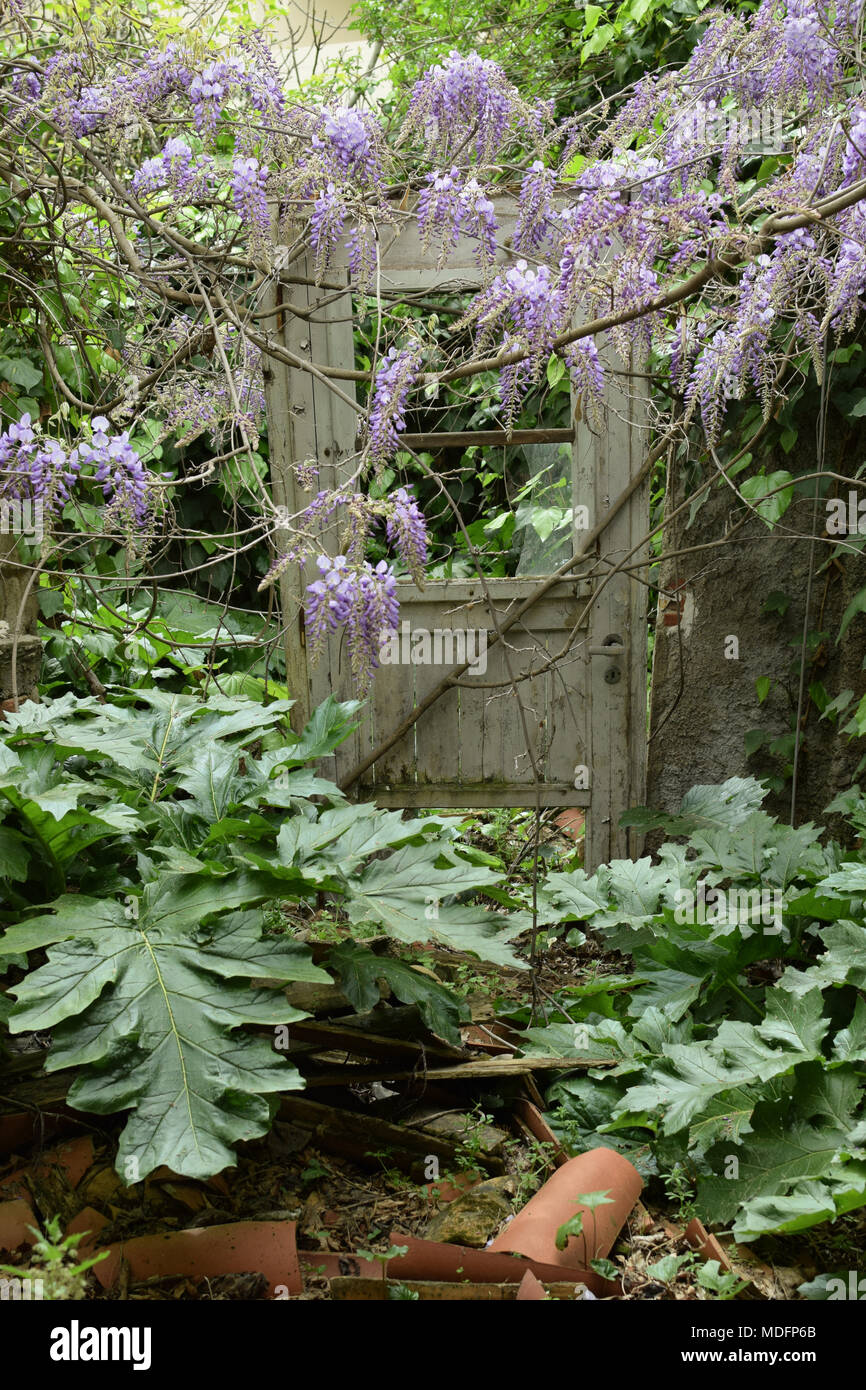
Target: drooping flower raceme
x,y
326,225
535,215
406,529
354,141
35,468
808,47
522,305
341,167
394,380
249,180
126,484
587,378
177,169
41,469
468,99
210,89
358,597
846,296
449,207
738,354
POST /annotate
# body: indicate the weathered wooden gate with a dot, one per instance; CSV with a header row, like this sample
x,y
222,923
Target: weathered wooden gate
x,y
586,716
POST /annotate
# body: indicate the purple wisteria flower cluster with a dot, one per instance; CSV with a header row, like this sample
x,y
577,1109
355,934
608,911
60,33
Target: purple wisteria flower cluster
x,y
352,140
395,378
210,90
342,167
249,181
176,168
467,100
608,214
350,592
519,312
126,485
362,599
81,106
406,529
32,466
450,206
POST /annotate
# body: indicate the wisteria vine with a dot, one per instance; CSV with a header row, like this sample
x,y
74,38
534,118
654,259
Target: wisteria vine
x,y
601,218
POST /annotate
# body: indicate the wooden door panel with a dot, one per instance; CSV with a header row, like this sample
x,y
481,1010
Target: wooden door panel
x,y
470,747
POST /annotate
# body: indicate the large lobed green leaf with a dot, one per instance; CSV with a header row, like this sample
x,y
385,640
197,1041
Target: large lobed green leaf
x,y
149,1005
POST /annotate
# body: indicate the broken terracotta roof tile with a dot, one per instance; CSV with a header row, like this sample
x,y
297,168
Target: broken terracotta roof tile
x,y
91,1221
432,1260
15,1219
533,1231
266,1247
531,1289
537,1125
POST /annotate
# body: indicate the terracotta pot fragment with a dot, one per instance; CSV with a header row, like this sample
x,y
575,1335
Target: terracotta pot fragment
x,y
533,1231
72,1158
23,1128
92,1221
239,1247
531,1289
540,1129
449,1189
700,1239
572,823
331,1264
15,1218
432,1260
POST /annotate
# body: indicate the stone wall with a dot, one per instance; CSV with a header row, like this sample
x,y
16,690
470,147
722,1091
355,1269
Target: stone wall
x,y
715,643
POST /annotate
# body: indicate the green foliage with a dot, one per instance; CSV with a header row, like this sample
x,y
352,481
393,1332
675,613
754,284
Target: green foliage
x,y
145,1010
740,1050
152,950
53,1267
557,51
359,971
574,1226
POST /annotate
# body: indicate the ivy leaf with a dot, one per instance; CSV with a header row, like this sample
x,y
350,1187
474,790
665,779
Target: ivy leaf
x,y
857,605
770,502
667,1268
20,372
146,1009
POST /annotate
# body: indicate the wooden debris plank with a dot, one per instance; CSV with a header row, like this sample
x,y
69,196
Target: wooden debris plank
x,y
358,1136
462,1071
334,1037
363,1289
